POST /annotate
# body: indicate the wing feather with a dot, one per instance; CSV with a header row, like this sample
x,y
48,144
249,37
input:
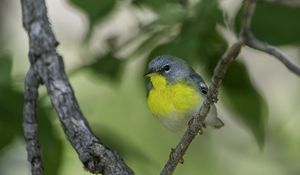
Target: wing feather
x,y
198,80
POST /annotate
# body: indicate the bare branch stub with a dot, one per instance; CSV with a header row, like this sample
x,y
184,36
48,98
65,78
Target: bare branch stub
x,y
48,66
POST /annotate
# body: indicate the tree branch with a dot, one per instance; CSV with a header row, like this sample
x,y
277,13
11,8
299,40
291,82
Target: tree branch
x,y
251,41
176,155
48,65
196,124
30,123
254,43
248,12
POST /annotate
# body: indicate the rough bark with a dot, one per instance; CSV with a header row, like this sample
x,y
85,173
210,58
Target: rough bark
x,y
47,65
30,123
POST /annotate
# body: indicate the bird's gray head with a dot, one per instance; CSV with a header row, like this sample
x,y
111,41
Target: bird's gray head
x,y
174,69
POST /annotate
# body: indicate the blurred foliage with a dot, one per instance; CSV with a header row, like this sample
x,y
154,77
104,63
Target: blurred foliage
x,y
153,4
5,69
124,147
107,66
245,100
95,10
188,31
275,23
196,39
11,107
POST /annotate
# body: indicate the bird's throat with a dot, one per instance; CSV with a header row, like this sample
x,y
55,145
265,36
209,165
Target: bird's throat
x,y
167,99
158,81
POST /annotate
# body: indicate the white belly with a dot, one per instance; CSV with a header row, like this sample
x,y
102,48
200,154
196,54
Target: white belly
x,y
180,123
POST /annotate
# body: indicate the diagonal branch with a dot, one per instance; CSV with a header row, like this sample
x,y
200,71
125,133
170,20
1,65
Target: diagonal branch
x,y
176,155
30,123
253,42
48,65
196,124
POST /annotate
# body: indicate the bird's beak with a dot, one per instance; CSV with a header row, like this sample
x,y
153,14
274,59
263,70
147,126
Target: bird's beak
x,y
150,73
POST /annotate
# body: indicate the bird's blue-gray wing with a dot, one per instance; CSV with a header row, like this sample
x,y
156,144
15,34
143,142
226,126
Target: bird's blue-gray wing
x,y
212,117
197,79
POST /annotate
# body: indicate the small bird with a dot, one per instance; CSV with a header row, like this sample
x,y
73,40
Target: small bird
x,y
176,92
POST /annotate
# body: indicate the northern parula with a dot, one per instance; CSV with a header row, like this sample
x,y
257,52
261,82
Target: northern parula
x,y
176,92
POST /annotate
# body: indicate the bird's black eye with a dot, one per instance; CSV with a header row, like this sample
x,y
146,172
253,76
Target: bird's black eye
x,y
166,68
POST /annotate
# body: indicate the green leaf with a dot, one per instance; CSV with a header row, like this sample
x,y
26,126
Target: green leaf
x,y
125,147
11,107
245,101
275,23
11,103
198,39
107,66
7,136
170,14
5,69
96,10
152,4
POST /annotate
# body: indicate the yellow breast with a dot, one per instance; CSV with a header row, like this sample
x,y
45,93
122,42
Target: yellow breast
x,y
165,99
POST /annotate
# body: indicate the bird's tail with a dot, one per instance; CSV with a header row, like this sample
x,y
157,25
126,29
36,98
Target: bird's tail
x,y
212,118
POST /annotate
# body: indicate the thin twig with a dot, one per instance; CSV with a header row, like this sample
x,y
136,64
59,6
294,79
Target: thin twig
x,y
253,42
264,47
30,123
48,65
176,155
248,12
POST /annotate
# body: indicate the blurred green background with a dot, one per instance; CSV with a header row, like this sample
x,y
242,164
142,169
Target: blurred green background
x,y
106,46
